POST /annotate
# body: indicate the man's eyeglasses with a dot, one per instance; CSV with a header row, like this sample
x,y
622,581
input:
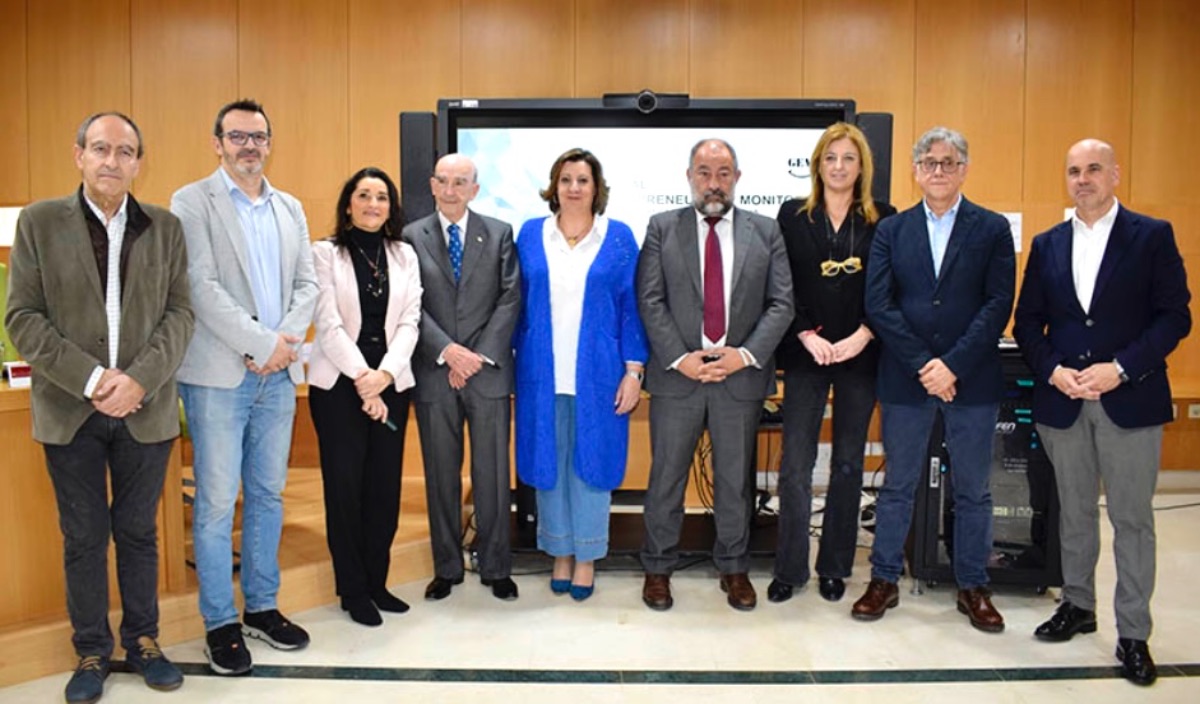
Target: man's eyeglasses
x,y
851,265
949,166
239,139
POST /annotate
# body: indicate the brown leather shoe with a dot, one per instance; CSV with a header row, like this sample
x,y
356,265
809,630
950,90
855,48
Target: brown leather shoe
x,y
656,592
880,596
977,605
740,591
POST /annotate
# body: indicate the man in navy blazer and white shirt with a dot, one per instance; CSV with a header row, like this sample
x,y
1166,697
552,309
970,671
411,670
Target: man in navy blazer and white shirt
x,y
254,290
939,292
1103,302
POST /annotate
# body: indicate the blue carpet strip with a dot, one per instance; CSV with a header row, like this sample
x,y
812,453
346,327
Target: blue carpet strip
x,y
819,677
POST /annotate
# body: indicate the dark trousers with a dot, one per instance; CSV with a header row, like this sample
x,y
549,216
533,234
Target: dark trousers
x,y
361,466
676,424
86,517
441,427
805,394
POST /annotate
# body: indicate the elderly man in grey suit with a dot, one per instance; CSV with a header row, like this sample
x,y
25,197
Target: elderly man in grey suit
x,y
99,307
463,366
254,289
715,296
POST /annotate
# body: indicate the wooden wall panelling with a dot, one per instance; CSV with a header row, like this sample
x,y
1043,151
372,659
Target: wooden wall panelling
x,y
863,49
1166,93
14,105
740,49
623,46
403,56
32,549
185,60
970,66
293,59
518,48
79,57
1077,85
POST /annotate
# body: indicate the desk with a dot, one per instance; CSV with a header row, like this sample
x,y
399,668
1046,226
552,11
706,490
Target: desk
x,y
30,540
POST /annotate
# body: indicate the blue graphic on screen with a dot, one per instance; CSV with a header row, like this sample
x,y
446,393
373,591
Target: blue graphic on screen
x,y
646,167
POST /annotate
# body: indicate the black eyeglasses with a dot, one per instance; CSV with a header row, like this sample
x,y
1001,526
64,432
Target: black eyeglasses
x,y
949,166
261,139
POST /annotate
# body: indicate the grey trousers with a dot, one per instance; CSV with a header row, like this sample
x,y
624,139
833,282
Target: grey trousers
x,y
1096,450
441,431
676,425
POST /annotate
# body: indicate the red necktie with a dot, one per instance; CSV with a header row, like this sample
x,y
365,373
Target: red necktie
x,y
714,285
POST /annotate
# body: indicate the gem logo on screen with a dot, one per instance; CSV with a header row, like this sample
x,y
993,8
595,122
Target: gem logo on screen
x,y
798,167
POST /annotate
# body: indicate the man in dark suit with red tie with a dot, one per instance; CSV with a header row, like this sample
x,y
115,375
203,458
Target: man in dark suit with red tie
x,y
715,295
1104,301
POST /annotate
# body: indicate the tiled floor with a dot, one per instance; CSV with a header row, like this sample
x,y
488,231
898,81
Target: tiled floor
x,y
542,648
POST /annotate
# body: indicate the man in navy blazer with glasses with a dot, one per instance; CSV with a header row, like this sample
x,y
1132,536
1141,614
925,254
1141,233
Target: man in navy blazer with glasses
x,y
940,284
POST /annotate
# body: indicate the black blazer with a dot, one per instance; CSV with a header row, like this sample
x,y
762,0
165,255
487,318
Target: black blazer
x,y
833,304
1139,313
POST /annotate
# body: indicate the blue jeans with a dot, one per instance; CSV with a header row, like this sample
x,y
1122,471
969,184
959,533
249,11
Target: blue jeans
x,y
573,516
240,436
970,431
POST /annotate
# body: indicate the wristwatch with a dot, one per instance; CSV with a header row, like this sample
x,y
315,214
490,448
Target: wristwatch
x,y
635,374
1121,371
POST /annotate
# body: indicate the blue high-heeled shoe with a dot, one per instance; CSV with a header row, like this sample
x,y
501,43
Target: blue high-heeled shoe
x,y
579,593
560,586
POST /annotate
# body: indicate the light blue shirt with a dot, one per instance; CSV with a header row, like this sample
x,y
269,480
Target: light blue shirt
x,y
261,233
939,231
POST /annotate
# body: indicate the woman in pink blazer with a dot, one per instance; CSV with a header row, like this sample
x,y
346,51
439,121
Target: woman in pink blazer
x,y
359,376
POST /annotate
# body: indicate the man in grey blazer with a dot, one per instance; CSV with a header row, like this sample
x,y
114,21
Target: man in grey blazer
x,y
254,290
463,366
98,306
715,295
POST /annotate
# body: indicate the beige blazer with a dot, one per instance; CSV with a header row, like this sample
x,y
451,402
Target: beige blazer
x,y
339,316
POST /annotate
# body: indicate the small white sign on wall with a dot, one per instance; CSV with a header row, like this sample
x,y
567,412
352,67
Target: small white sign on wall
x,y
8,225
1014,221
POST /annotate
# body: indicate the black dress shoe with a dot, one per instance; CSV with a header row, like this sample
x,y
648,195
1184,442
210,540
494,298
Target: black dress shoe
x,y
386,601
779,592
1136,664
503,588
362,610
832,588
1065,623
439,588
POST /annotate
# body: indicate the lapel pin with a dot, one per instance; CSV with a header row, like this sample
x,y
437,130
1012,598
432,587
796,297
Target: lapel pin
x,y
478,238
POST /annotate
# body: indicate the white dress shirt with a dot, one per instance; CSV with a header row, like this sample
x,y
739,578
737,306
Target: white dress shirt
x,y
567,269
112,287
1087,251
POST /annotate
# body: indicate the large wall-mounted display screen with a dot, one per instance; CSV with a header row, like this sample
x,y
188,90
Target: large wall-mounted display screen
x,y
644,154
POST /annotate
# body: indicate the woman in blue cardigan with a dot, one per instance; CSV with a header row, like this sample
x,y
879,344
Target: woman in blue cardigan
x,y
580,354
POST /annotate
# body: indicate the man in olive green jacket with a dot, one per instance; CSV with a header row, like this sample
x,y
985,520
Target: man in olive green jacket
x,y
99,307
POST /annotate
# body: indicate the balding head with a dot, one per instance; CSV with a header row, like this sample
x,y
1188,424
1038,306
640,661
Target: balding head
x,y
1092,178
454,184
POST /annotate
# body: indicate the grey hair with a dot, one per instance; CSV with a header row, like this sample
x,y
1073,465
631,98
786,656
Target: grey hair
x,y
940,134
81,133
701,143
